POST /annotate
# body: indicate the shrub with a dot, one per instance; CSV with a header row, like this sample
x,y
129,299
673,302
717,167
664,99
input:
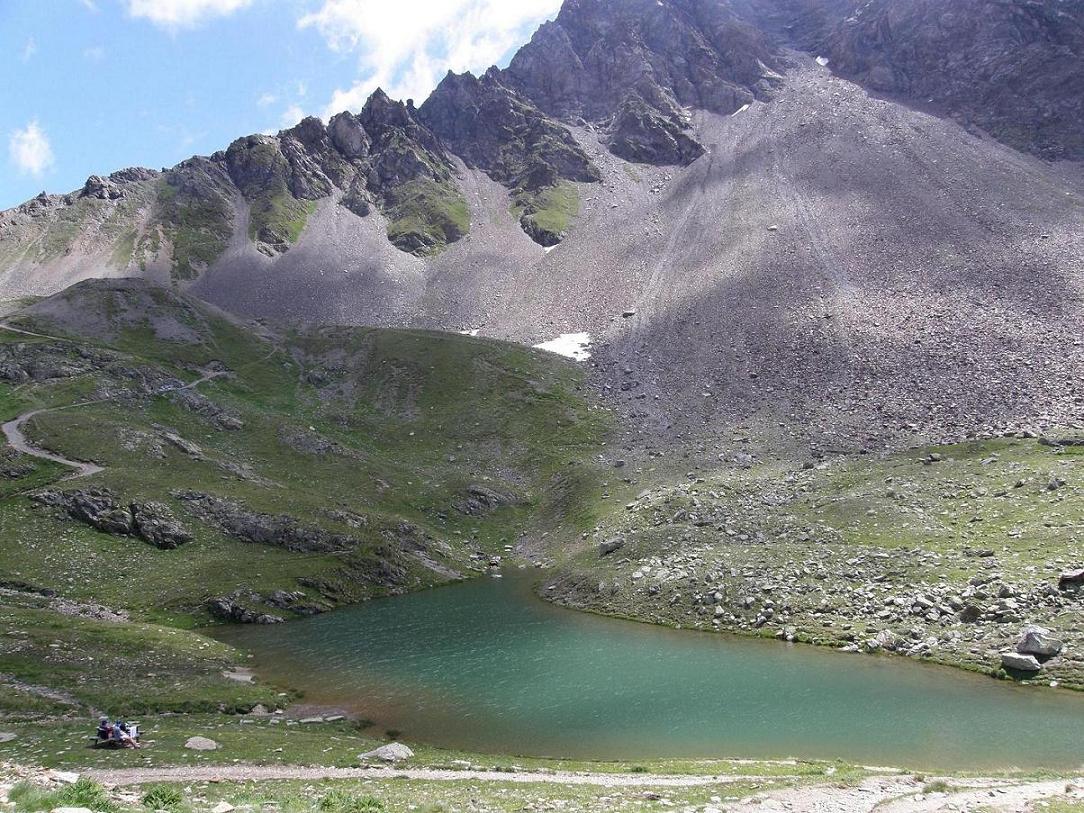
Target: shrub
x,y
339,801
81,793
163,797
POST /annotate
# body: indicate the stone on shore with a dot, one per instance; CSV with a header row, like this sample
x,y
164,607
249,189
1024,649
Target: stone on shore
x,y
1071,578
1020,663
1037,641
392,752
200,744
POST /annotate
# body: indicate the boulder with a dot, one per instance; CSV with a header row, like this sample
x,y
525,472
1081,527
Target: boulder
x,y
72,810
610,545
101,509
7,736
200,744
392,752
1019,663
1070,579
155,523
1037,641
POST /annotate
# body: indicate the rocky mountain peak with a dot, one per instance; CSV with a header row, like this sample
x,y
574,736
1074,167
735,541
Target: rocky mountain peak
x,y
633,66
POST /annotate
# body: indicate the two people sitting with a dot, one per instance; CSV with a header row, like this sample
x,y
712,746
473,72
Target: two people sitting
x,y
118,733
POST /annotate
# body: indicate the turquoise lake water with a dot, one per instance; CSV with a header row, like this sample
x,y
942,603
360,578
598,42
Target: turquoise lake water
x,y
487,666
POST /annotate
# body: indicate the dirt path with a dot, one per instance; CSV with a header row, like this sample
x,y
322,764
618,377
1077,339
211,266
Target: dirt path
x,y
904,794
16,438
240,773
896,793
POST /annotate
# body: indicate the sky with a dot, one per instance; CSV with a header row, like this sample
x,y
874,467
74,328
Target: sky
x,y
91,86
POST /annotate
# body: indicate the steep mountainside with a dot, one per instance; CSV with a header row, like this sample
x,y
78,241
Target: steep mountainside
x,y
1009,68
795,244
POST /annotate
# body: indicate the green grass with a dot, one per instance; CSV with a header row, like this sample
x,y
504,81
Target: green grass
x,y
279,218
163,797
547,214
371,434
198,227
425,215
270,740
115,667
83,792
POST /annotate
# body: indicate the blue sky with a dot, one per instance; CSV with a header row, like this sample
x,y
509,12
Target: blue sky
x,y
91,86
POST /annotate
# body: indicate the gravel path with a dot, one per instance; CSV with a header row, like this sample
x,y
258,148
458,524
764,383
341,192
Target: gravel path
x,y
16,438
240,773
897,793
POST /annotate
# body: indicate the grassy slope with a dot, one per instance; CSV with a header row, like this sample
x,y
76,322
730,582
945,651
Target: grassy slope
x,y
918,526
425,215
55,235
198,228
414,418
549,211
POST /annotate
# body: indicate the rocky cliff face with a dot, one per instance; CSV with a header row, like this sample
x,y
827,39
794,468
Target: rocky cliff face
x,y
492,127
1011,68
633,67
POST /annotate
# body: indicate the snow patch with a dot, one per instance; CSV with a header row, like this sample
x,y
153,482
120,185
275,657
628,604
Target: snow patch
x,y
822,61
469,332
570,345
548,249
741,109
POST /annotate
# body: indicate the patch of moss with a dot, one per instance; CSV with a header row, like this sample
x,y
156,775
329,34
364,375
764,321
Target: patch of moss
x,y
547,214
279,219
124,250
425,215
198,227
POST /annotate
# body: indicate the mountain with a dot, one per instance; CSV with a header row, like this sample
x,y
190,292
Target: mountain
x,y
832,224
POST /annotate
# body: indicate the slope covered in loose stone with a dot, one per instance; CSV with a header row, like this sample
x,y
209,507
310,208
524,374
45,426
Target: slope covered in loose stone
x,y
941,553
308,470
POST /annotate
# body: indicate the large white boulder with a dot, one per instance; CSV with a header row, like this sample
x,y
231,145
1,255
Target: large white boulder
x,y
200,744
392,752
1020,663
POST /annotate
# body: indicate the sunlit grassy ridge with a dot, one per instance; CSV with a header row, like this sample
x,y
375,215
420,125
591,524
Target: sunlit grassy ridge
x,y
373,435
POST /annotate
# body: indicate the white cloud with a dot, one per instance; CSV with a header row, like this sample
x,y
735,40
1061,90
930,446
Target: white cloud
x,y
292,115
95,53
405,46
30,150
89,5
30,49
267,99
183,13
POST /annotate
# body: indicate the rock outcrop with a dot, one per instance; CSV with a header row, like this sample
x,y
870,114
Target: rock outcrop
x,y
492,127
277,530
153,522
632,67
1010,68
